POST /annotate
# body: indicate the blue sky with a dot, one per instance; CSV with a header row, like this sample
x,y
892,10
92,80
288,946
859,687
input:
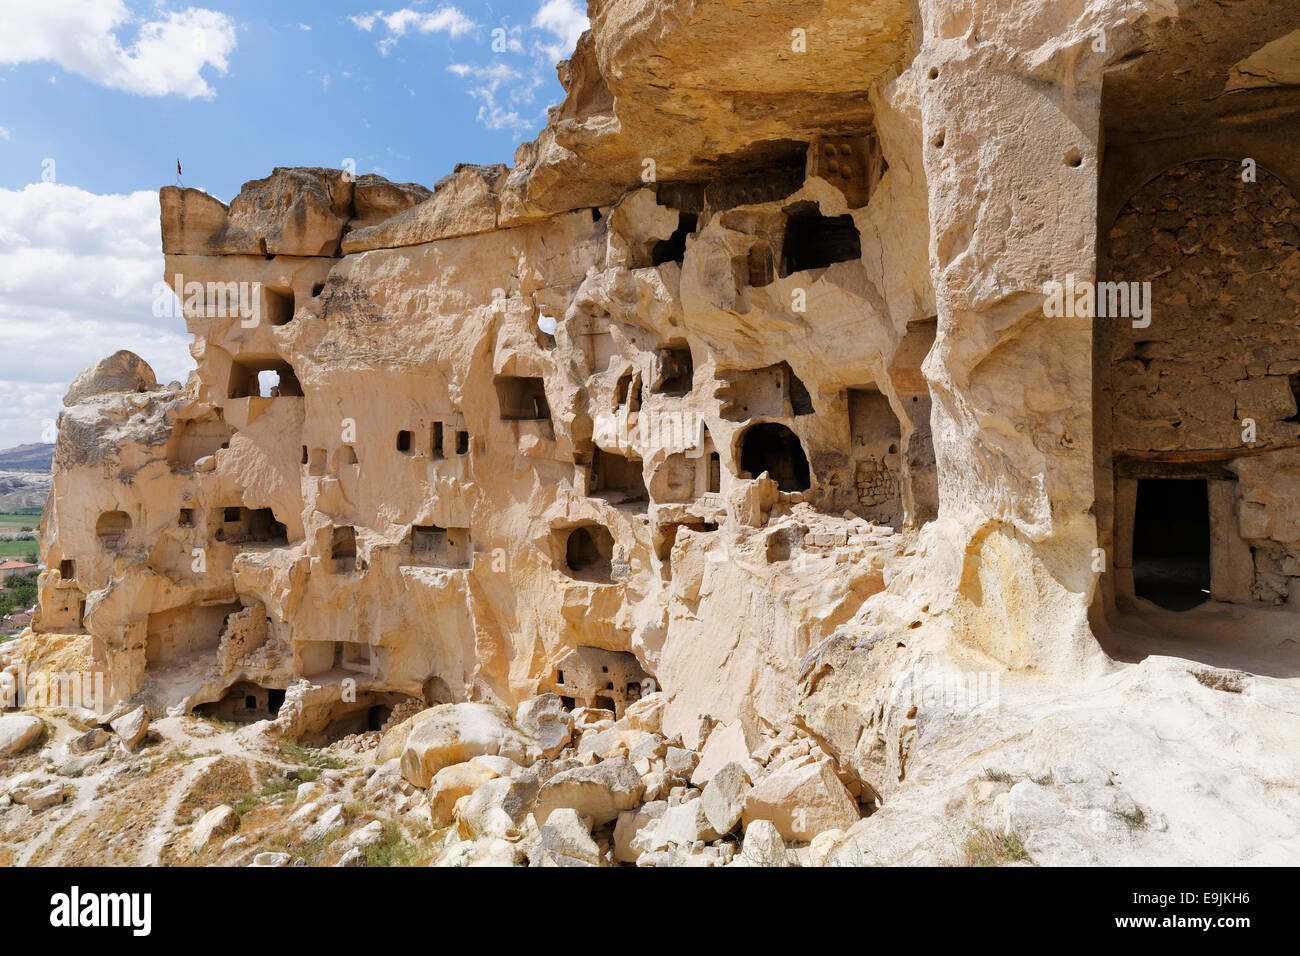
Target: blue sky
x,y
303,85
99,98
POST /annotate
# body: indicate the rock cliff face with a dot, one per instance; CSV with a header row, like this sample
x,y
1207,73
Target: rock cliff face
x,y
740,385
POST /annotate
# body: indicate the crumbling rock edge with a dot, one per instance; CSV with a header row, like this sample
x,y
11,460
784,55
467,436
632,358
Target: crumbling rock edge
x,y
783,432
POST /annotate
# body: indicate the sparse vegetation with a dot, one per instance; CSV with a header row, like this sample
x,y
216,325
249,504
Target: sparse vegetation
x,y
395,849
1002,776
294,752
1135,820
223,780
269,792
217,721
314,854
985,847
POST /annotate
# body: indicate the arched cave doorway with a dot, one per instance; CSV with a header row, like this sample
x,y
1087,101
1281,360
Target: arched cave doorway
x,y
773,448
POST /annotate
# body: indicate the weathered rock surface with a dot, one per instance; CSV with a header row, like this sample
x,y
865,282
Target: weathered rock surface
x,y
45,797
132,726
724,796
565,840
120,372
330,820
451,783
454,733
91,740
545,719
735,426
18,732
763,845
801,801
599,792
218,822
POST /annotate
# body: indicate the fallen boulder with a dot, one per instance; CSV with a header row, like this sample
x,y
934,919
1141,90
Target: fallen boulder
x,y
545,719
763,845
44,798
801,800
454,733
565,840
329,821
724,796
726,744
451,783
18,732
599,792
131,727
91,740
218,822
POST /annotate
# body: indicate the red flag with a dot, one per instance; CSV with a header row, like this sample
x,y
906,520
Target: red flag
x,y
178,167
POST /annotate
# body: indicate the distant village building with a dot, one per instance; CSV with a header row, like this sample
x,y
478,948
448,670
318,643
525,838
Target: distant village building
x,y
13,566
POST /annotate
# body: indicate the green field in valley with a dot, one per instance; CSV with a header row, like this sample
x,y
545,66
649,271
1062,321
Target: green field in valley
x,y
18,549
12,522
16,523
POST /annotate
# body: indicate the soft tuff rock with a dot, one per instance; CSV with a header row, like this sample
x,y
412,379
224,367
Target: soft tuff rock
x,y
132,727
802,406
19,732
724,796
451,783
763,845
565,840
801,800
545,719
454,733
599,792
217,823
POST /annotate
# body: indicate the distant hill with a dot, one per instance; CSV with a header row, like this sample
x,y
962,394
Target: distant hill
x,y
36,457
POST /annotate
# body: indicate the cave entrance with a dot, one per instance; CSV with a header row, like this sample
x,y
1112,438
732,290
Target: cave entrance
x,y
616,478
1171,542
522,399
673,249
255,377
771,447
343,549
814,241
588,552
432,546
244,702
111,529
675,370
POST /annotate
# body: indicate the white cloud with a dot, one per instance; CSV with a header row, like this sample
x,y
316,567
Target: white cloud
x,y
77,278
506,93
447,20
502,90
565,21
167,56
496,74
4,132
